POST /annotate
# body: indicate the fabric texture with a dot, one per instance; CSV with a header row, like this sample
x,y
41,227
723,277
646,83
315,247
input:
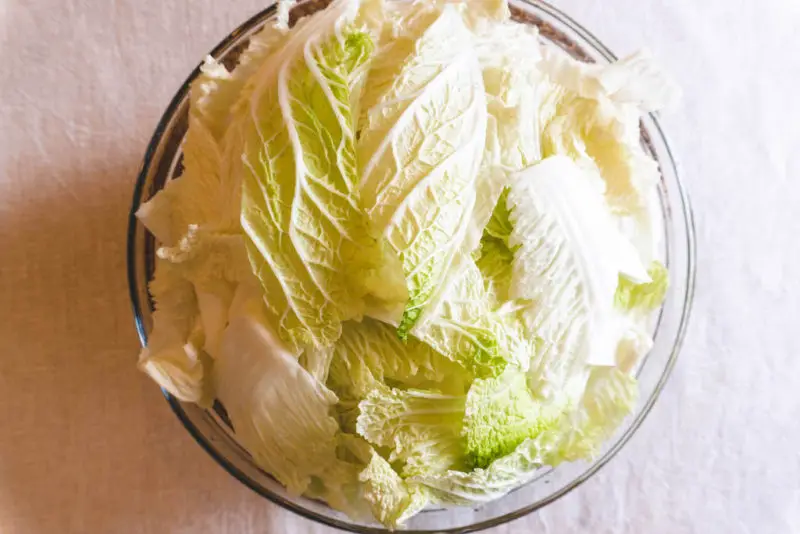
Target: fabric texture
x,y
88,445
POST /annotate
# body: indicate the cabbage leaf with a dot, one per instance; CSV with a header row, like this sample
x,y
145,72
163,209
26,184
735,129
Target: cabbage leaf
x,y
279,411
419,155
421,428
568,260
307,236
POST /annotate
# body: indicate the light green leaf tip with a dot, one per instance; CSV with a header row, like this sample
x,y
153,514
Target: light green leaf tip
x,y
421,428
647,296
391,498
500,414
496,256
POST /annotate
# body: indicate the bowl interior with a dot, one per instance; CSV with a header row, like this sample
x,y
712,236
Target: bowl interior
x,y
211,429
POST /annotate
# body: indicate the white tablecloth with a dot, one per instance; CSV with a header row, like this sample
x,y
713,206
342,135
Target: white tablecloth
x,y
87,444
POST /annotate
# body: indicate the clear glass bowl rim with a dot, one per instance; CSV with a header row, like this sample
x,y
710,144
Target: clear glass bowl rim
x,y
205,443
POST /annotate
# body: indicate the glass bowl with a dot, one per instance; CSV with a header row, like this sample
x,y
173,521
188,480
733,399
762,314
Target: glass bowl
x,y
209,427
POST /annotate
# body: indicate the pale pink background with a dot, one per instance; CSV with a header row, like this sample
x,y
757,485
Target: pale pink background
x,y
87,444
